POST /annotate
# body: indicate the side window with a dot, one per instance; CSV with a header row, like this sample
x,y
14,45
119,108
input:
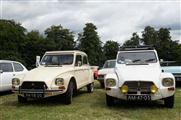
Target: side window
x,y
85,61
78,60
6,67
18,67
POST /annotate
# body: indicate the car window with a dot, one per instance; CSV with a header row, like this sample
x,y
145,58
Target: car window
x,y
64,59
78,59
109,64
6,67
85,61
18,67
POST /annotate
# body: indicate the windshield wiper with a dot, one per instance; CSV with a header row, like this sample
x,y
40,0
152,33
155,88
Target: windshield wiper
x,y
149,60
136,60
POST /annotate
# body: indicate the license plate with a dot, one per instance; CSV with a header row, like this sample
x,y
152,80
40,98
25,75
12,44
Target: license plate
x,y
139,97
34,95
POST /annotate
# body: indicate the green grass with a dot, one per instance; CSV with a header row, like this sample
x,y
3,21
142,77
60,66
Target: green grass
x,y
87,106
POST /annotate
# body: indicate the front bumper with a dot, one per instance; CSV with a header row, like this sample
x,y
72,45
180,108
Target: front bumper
x,y
160,94
37,93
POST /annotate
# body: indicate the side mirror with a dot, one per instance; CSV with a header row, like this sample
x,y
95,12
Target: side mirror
x,y
1,71
37,61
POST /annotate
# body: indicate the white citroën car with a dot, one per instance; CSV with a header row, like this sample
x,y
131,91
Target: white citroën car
x,y
138,76
59,73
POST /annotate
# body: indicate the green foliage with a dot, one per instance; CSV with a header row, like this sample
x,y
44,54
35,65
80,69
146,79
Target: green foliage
x,y
134,41
59,38
167,49
12,39
19,45
110,49
90,43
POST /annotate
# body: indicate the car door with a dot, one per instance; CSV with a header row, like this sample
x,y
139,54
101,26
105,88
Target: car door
x,y
79,73
86,70
6,76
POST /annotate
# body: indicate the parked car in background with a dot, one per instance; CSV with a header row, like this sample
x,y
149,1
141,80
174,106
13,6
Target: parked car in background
x,y
138,76
8,69
95,71
172,67
59,73
107,68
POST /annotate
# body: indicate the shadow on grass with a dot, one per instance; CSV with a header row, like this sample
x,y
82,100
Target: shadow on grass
x,y
138,104
49,101
5,93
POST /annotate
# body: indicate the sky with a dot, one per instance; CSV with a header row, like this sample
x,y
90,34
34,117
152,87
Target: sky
x,y
115,19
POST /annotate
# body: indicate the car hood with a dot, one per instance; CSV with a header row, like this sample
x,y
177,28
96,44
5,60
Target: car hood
x,y
106,71
46,74
139,73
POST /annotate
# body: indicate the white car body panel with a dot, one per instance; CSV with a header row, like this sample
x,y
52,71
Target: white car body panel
x,y
6,77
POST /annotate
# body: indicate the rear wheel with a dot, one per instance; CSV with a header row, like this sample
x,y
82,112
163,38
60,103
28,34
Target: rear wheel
x,y
169,102
109,100
90,87
22,99
69,94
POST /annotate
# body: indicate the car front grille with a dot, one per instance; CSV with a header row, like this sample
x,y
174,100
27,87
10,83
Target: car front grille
x,y
138,86
33,85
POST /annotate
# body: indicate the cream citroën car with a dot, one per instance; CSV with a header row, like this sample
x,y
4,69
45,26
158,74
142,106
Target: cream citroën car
x,y
59,73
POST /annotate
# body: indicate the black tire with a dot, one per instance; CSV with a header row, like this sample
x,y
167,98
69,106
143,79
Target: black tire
x,y
102,84
22,99
109,100
169,102
90,87
69,94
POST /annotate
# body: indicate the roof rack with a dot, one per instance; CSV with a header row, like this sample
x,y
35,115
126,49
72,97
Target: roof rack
x,y
141,47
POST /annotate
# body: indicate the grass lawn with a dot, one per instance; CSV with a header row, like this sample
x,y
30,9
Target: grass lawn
x,y
87,106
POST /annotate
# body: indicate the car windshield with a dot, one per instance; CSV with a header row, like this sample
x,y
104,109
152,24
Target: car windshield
x,y
109,64
136,57
64,59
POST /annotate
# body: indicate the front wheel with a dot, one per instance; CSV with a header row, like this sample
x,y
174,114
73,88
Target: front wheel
x,y
22,99
90,87
69,94
169,102
109,100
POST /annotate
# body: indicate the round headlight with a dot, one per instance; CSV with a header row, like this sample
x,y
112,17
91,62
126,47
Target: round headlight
x,y
15,81
124,89
59,81
153,89
110,82
167,82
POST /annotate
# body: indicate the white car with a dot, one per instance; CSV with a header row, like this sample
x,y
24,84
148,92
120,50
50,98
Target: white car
x,y
8,69
138,76
59,73
107,68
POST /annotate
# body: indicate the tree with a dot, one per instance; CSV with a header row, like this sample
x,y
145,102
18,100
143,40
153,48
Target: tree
x,y
35,45
59,38
134,41
110,49
150,36
90,43
12,40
